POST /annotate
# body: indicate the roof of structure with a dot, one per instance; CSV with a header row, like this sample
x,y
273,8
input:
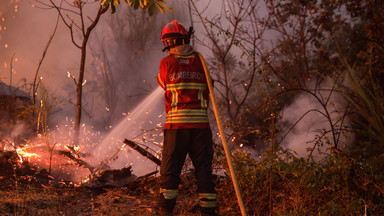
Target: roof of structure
x,y
12,91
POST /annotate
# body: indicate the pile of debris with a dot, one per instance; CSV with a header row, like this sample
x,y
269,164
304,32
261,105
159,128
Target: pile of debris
x,y
14,167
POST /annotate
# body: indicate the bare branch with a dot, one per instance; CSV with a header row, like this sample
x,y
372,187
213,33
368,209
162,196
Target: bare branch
x,y
35,83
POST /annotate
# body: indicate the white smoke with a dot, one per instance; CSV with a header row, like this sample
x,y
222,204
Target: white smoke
x,y
306,121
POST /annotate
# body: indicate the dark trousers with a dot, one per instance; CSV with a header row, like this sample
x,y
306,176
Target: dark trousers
x,y
177,144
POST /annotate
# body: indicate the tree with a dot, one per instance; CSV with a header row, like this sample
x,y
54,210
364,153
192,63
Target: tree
x,y
119,66
149,5
85,31
83,27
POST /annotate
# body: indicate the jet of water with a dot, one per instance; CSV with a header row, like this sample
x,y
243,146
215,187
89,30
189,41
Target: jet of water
x,y
144,126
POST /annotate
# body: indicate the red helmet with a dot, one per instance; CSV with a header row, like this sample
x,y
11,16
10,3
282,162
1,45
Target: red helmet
x,y
174,30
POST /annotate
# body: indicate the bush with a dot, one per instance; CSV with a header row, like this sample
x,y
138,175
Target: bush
x,y
334,186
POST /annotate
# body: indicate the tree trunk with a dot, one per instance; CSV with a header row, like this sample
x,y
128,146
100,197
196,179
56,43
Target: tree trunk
x,y
79,90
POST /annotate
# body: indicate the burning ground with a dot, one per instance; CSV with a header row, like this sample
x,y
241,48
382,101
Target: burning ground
x,y
28,190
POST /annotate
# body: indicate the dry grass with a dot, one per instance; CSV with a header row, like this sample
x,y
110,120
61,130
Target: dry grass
x,y
36,199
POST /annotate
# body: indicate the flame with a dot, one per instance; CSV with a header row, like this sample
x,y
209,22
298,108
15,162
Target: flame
x,y
23,154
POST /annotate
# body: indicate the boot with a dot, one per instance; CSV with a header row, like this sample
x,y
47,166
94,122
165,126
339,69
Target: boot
x,y
208,212
166,206
165,212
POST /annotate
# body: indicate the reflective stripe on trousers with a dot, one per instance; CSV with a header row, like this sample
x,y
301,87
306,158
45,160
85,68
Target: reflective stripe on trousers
x,y
169,194
207,200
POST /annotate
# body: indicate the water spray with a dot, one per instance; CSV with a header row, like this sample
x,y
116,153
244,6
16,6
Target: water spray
x,y
222,135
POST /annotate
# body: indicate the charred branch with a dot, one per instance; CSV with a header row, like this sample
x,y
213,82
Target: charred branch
x,y
141,180
78,161
142,151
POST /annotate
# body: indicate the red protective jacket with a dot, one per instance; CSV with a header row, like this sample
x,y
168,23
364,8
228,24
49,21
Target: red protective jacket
x,y
186,91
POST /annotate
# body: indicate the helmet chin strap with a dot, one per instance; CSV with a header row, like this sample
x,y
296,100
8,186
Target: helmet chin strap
x,y
166,48
169,47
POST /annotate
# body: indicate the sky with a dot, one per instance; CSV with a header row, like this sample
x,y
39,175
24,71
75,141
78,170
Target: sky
x,y
25,37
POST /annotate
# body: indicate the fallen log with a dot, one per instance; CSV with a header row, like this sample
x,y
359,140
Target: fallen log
x,y
142,151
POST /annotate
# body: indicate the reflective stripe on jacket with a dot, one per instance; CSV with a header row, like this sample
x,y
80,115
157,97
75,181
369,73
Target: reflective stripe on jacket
x,y
186,91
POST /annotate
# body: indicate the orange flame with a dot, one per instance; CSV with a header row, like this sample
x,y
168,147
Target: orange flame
x,y
23,154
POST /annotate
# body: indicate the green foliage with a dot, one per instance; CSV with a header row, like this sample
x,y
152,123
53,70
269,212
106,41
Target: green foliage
x,y
150,5
366,96
336,186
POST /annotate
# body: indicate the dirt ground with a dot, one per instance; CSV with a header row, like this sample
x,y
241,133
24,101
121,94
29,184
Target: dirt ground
x,y
24,191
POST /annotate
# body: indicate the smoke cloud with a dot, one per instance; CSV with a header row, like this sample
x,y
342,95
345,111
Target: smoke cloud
x,y
305,121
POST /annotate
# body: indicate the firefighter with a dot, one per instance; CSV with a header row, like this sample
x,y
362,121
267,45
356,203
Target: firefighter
x,y
186,128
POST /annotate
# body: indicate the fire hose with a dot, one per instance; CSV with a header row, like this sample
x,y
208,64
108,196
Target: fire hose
x,y
222,135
